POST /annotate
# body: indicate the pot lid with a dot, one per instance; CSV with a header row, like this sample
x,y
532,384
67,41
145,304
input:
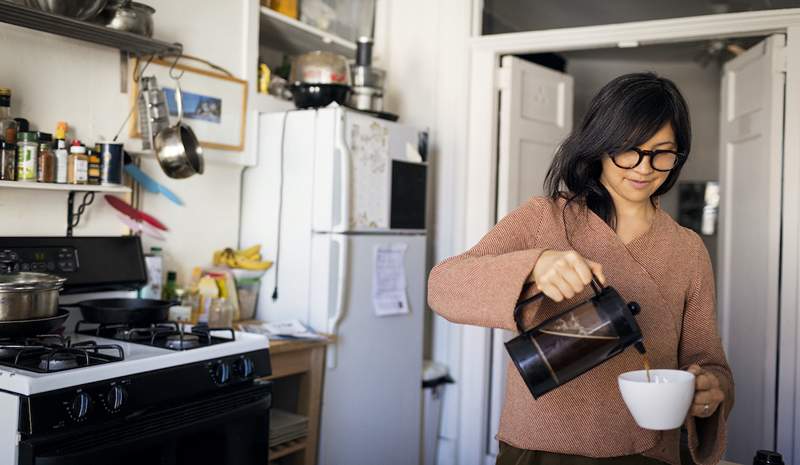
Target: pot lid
x,y
25,281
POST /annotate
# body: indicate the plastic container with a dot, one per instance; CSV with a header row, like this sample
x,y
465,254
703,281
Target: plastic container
x,y
247,289
434,377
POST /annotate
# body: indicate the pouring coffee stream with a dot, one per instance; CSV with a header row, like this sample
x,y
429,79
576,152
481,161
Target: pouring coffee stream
x,y
576,340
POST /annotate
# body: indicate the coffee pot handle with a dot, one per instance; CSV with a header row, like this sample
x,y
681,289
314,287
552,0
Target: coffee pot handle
x,y
521,304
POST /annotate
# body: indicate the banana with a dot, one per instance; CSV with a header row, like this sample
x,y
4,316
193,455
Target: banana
x,y
248,259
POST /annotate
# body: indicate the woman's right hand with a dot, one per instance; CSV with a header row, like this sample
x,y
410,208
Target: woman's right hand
x,y
561,274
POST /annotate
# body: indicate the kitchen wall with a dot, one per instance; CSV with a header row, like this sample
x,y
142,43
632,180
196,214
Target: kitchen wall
x,y
423,46
55,78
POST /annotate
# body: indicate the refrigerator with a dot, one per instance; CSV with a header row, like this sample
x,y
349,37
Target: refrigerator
x,y
337,199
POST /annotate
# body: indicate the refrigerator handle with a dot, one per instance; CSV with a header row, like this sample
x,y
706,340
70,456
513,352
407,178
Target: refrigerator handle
x,y
341,296
344,176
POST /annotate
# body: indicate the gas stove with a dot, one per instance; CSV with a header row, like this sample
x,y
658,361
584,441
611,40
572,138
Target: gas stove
x,y
93,359
94,394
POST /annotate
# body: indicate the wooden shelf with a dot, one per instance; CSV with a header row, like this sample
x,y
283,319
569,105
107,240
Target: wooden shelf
x,y
134,44
282,450
62,187
294,37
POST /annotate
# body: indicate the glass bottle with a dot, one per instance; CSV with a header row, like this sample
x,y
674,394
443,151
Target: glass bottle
x,y
61,153
8,126
8,161
168,293
47,160
94,166
77,164
220,313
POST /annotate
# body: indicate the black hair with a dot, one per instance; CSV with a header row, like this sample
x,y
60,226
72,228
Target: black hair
x,y
626,113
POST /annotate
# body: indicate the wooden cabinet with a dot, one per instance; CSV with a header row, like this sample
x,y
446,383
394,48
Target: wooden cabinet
x,y
297,369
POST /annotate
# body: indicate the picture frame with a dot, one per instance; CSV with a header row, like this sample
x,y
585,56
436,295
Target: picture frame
x,y
214,104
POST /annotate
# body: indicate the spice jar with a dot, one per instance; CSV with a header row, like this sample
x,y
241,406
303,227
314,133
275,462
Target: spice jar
x,y
78,164
47,159
27,156
94,166
8,161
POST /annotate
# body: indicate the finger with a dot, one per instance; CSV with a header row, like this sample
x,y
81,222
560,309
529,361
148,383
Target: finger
x,y
700,411
703,382
695,370
581,267
552,292
704,397
563,286
597,270
572,278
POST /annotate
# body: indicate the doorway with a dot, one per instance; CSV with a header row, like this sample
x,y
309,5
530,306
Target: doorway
x,y
674,56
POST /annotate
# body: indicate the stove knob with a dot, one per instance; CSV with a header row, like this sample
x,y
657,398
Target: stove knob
x,y
222,372
116,397
244,367
80,405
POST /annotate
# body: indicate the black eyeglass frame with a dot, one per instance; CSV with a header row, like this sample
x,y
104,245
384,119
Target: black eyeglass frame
x,y
679,158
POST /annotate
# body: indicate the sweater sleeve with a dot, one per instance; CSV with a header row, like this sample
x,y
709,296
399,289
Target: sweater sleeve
x,y
700,344
481,286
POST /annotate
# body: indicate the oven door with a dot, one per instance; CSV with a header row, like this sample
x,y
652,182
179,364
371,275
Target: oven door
x,y
231,428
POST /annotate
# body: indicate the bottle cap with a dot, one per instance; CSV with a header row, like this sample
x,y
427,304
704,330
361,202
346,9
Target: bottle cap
x,y
77,147
767,457
5,92
61,130
7,145
28,136
45,137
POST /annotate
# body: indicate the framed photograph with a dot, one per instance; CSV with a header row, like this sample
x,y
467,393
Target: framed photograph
x,y
214,104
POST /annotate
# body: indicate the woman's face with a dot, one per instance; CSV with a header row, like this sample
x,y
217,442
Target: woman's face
x,y
638,184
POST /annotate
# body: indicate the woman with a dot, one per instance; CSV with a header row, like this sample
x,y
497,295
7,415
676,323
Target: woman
x,y
602,218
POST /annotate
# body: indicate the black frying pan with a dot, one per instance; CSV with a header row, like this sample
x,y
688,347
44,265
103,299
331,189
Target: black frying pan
x,y
120,311
34,327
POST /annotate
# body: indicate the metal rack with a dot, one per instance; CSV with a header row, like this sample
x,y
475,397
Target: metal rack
x,y
133,44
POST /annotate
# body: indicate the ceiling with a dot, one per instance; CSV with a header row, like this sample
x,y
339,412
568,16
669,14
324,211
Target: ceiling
x,y
501,16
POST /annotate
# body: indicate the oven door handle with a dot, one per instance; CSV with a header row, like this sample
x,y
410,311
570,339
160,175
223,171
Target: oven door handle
x,y
151,428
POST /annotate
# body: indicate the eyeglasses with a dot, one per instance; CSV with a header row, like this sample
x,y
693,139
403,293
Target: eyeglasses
x,y
660,160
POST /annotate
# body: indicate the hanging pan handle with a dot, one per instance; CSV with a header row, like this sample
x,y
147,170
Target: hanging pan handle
x,y
521,304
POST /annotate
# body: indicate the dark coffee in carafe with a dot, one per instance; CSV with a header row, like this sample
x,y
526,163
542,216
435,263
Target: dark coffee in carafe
x,y
574,341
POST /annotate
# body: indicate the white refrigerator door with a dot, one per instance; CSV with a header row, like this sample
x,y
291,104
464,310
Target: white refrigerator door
x,y
268,205
353,169
372,396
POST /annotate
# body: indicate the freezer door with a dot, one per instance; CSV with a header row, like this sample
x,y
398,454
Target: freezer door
x,y
378,359
367,174
276,211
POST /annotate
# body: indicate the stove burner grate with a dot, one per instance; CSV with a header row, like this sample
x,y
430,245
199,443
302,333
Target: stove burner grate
x,y
51,353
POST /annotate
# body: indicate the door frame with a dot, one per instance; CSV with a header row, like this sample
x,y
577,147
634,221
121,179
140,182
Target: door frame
x,y
479,217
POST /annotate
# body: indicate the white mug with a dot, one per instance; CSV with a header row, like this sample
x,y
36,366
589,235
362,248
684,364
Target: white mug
x,y
661,404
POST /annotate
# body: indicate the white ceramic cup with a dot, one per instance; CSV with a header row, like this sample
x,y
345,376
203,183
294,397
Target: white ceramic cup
x,y
661,404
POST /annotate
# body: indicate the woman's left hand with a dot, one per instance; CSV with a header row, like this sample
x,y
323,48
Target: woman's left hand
x,y
707,394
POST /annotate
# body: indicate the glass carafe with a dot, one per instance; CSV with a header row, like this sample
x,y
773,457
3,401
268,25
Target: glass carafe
x,y
574,341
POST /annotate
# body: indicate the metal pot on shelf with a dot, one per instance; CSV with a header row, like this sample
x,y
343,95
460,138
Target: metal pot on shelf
x,y
26,295
319,79
367,94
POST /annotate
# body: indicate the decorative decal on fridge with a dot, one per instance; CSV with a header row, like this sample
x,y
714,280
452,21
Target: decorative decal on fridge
x,y
369,146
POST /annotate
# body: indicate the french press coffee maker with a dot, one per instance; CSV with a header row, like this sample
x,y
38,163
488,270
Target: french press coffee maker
x,y
574,341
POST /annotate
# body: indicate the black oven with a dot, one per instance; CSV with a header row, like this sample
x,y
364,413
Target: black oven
x,y
188,418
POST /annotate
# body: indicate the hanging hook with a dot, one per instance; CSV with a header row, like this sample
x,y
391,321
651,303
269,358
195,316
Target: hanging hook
x,y
137,74
172,68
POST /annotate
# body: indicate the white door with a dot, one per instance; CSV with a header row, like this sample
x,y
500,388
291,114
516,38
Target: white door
x,y
751,158
535,116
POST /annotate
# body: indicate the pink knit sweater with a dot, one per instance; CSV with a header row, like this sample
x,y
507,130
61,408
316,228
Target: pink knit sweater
x,y
667,271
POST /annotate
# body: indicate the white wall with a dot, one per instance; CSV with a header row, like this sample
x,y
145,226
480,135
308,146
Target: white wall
x,y
55,78
423,47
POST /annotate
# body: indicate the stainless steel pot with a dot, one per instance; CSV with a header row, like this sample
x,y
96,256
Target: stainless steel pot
x,y
27,296
132,17
177,148
80,9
